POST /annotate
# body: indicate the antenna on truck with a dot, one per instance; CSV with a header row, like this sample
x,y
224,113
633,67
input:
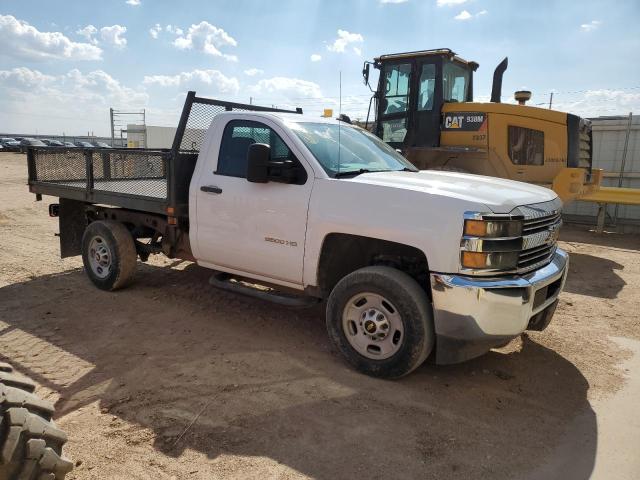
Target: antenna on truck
x,y
339,116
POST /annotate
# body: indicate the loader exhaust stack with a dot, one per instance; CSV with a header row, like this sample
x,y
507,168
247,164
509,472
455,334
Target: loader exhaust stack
x,y
496,89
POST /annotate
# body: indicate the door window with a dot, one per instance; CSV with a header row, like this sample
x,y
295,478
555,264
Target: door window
x,y
526,146
238,136
427,87
455,83
396,82
394,131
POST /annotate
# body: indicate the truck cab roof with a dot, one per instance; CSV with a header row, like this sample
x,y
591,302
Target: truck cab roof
x,y
285,117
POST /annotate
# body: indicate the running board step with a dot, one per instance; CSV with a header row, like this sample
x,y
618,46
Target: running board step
x,y
224,281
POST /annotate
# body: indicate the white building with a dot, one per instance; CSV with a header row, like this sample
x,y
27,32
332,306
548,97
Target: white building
x,y
609,136
149,136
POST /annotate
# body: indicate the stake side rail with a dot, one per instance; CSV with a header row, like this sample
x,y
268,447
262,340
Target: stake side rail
x,y
136,179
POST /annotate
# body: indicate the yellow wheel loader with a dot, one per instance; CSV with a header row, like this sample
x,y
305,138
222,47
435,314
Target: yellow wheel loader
x,y
424,107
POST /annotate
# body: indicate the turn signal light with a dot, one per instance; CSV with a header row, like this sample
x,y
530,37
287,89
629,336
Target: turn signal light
x,y
492,228
475,228
474,259
491,260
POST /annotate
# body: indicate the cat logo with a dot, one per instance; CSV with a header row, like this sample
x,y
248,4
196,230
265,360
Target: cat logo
x,y
464,121
453,121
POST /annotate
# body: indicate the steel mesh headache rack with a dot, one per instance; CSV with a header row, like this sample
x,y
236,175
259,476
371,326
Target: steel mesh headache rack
x,y
149,180
197,115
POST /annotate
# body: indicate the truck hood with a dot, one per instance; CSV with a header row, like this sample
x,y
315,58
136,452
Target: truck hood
x,y
499,195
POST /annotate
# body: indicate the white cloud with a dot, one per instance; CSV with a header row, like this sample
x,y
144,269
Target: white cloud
x,y
24,77
463,15
206,38
175,30
449,3
252,72
21,40
594,103
591,26
74,102
284,88
89,32
113,35
315,57
155,30
134,3
344,39
213,80
393,1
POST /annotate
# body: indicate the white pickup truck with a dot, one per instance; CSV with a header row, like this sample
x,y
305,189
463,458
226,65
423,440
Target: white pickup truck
x,y
412,264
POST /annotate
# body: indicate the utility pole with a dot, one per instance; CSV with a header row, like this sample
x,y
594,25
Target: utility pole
x,y
111,122
550,100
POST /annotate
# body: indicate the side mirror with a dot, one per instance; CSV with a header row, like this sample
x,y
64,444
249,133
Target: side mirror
x,y
365,73
258,157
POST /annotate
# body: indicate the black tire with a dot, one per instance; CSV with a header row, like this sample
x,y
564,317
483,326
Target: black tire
x,y
123,256
413,306
30,443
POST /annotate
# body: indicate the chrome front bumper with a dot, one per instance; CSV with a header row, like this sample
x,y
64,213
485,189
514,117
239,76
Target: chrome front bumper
x,y
474,314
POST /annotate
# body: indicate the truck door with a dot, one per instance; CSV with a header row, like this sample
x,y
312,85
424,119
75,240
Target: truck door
x,y
254,228
393,111
428,105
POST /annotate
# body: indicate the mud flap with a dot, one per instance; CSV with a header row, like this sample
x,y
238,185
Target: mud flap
x,y
73,221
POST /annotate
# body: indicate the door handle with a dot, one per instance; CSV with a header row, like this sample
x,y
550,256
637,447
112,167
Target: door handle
x,y
211,189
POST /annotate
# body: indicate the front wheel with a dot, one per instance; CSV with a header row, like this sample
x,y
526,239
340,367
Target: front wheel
x,y
380,320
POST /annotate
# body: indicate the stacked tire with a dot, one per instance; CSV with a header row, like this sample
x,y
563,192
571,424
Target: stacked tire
x,y
30,443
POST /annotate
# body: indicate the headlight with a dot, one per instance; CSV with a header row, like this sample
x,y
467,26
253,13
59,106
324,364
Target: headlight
x,y
492,228
490,260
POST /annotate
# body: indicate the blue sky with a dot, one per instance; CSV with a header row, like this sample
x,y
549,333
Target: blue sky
x,y
63,64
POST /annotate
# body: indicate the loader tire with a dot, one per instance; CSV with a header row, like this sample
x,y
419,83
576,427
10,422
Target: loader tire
x,y
30,443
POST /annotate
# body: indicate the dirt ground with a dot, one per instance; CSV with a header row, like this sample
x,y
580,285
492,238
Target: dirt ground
x,y
172,379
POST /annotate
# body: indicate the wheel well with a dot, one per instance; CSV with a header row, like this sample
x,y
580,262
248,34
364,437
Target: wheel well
x,y
343,253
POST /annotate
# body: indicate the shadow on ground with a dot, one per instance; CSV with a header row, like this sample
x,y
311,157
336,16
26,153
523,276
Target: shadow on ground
x,y
586,234
582,276
255,379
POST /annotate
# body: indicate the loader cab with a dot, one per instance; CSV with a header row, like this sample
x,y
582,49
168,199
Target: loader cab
x,y
412,88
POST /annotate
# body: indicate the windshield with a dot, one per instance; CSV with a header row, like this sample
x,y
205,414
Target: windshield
x,y
358,151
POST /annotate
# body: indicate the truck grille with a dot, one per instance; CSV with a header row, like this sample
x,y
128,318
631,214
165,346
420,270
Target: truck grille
x,y
541,224
533,248
535,257
540,229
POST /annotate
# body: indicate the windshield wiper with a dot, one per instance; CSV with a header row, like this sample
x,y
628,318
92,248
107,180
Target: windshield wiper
x,y
349,173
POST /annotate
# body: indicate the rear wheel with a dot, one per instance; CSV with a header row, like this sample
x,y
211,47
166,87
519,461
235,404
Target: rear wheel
x,y
30,443
381,322
109,254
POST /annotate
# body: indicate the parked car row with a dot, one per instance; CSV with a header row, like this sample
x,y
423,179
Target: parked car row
x,y
20,144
